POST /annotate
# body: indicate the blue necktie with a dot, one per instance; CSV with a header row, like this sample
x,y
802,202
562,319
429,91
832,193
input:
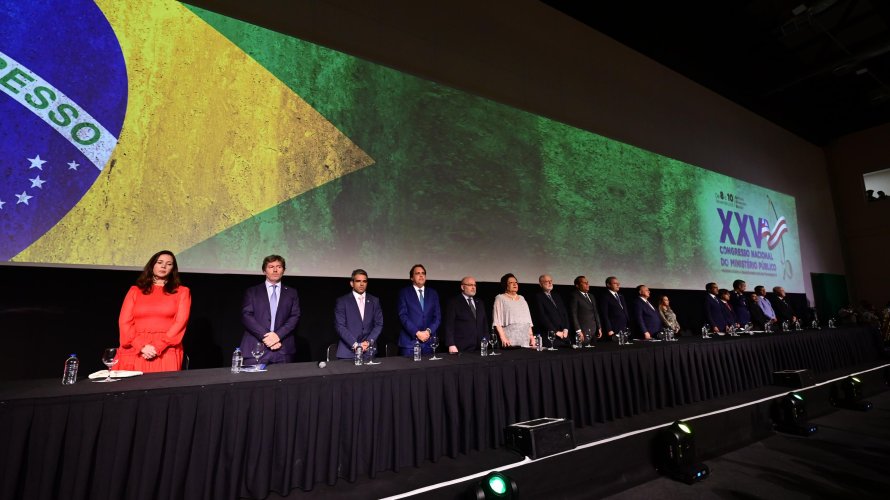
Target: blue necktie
x,y
420,295
273,306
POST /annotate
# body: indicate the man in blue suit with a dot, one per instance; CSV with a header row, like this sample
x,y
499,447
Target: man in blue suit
x,y
647,318
739,301
357,317
419,313
270,312
714,309
615,316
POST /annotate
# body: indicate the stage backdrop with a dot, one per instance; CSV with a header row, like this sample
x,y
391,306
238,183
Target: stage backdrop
x,y
134,126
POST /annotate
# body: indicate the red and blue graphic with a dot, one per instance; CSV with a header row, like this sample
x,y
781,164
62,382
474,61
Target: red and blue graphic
x,y
63,97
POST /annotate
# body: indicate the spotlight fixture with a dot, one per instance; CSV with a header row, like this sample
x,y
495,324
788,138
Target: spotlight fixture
x,y
791,414
675,453
494,485
850,395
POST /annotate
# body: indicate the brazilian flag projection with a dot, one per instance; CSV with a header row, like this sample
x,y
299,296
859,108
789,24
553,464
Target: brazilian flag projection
x,y
239,142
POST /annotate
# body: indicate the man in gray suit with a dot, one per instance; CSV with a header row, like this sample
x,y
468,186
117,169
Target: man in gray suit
x,y
583,313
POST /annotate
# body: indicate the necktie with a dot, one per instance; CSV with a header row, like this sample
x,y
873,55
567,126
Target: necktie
x,y
618,299
586,296
361,306
551,299
273,306
420,295
472,306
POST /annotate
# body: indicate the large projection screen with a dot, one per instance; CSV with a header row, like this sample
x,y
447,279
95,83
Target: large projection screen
x,y
135,126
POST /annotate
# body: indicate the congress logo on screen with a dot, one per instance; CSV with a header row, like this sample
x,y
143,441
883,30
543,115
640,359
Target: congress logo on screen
x,y
63,96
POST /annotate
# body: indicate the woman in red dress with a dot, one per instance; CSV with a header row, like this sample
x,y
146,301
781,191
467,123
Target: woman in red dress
x,y
153,318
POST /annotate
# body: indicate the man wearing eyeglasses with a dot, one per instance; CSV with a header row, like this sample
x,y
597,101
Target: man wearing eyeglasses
x,y
466,322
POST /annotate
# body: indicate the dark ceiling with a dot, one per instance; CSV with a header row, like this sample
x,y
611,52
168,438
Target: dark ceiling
x,y
820,69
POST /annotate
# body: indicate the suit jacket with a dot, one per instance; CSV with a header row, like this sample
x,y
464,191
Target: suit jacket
x,y
351,327
758,317
256,318
414,319
647,318
552,316
728,314
615,315
714,312
740,307
584,314
463,329
782,307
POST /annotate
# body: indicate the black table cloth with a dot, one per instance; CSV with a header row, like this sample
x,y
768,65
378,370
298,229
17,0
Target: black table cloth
x,y
213,434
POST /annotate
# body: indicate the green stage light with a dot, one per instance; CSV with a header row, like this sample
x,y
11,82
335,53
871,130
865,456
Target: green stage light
x,y
494,485
497,485
790,413
675,454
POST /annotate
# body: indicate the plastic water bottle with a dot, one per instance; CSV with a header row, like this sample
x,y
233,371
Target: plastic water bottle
x,y
358,355
483,347
539,342
237,360
69,375
416,350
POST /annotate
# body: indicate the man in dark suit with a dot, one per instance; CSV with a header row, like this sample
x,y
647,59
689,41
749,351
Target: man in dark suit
x,y
729,317
714,309
783,309
466,322
648,321
739,301
758,316
358,317
615,315
583,313
419,313
551,314
270,312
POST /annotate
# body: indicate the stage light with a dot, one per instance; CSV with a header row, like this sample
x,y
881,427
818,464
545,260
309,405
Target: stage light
x,y
791,414
850,395
675,453
494,485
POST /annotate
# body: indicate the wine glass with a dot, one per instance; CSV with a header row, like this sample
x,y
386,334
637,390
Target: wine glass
x,y
550,336
493,343
434,343
258,350
705,331
372,352
109,358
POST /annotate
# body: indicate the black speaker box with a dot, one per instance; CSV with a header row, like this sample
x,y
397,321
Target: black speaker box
x,y
541,437
795,379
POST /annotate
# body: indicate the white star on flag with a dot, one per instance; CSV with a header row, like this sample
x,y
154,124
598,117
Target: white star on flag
x,y
72,165
23,198
36,162
1,204
37,182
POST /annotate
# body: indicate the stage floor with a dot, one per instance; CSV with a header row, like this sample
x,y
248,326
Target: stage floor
x,y
847,457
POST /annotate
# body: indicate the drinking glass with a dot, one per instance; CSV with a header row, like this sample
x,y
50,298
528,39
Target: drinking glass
x,y
434,343
258,350
786,326
705,331
109,358
493,343
372,352
550,336
589,341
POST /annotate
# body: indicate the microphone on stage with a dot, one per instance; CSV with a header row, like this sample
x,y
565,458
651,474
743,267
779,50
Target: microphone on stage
x,y
322,364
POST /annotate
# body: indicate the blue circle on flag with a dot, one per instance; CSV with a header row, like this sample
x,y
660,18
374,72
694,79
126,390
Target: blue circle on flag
x,y
63,80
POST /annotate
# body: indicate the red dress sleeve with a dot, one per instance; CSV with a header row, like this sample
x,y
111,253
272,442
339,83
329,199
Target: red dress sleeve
x,y
177,329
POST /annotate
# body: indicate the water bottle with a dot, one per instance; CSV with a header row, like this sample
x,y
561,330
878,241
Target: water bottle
x,y
539,342
416,350
358,355
483,347
69,375
237,360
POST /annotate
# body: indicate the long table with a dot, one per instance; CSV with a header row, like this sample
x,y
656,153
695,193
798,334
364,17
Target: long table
x,y
213,434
